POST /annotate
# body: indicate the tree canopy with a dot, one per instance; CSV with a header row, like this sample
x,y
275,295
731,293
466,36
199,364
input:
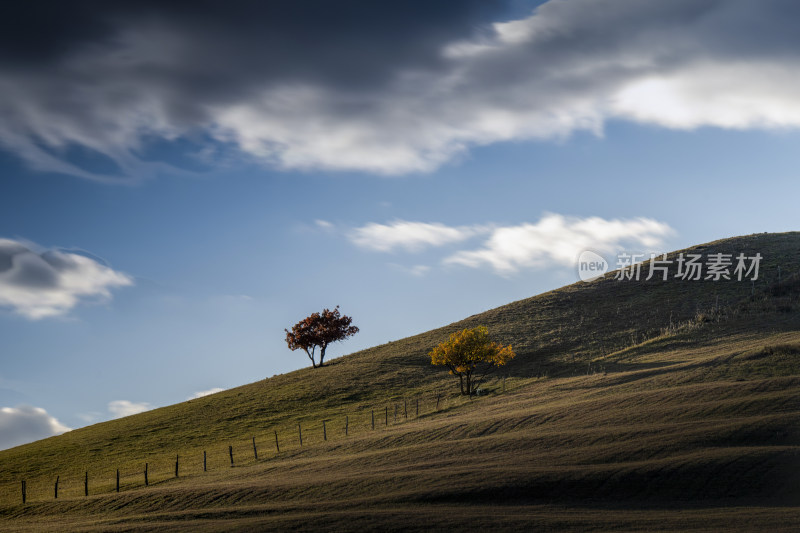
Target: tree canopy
x,y
471,355
318,331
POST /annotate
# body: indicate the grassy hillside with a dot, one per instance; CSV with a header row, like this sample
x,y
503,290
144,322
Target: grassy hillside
x,y
633,405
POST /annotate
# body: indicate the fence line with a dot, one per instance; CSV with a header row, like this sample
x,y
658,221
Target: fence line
x,y
128,480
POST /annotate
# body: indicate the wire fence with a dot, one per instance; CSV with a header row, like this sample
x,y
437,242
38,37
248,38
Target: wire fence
x,y
258,447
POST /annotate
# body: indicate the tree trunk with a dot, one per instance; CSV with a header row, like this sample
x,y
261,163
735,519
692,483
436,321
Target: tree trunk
x,y
311,356
469,384
322,354
461,378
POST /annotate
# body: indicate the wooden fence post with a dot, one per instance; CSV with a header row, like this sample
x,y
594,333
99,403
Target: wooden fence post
x,y
504,383
395,412
386,416
277,447
117,479
24,495
205,468
176,466
324,431
300,433
346,423
405,408
55,489
373,418
417,400
146,483
230,452
438,396
255,450
86,484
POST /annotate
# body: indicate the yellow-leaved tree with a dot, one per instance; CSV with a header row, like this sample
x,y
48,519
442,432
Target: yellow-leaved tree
x,y
471,355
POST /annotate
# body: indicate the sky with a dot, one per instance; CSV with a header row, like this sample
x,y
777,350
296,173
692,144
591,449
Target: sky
x,y
180,181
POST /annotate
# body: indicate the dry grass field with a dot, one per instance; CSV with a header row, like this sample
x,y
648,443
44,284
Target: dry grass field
x,y
645,406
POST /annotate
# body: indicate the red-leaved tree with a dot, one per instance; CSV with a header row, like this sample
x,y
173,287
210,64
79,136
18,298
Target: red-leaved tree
x,y
318,331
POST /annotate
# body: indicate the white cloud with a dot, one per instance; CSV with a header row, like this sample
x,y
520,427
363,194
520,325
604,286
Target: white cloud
x,y
121,408
557,239
411,236
323,224
553,240
50,283
23,424
746,96
202,393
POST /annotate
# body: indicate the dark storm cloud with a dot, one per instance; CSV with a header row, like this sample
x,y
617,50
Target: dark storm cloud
x,y
221,48
103,74
377,86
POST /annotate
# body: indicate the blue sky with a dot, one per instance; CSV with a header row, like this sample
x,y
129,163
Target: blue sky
x,y
165,214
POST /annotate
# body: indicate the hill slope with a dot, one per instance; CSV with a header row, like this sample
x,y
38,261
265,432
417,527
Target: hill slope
x,y
635,404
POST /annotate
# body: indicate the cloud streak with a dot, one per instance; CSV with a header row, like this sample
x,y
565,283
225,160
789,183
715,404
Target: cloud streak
x,y
410,236
386,89
24,423
122,408
558,240
50,283
553,240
